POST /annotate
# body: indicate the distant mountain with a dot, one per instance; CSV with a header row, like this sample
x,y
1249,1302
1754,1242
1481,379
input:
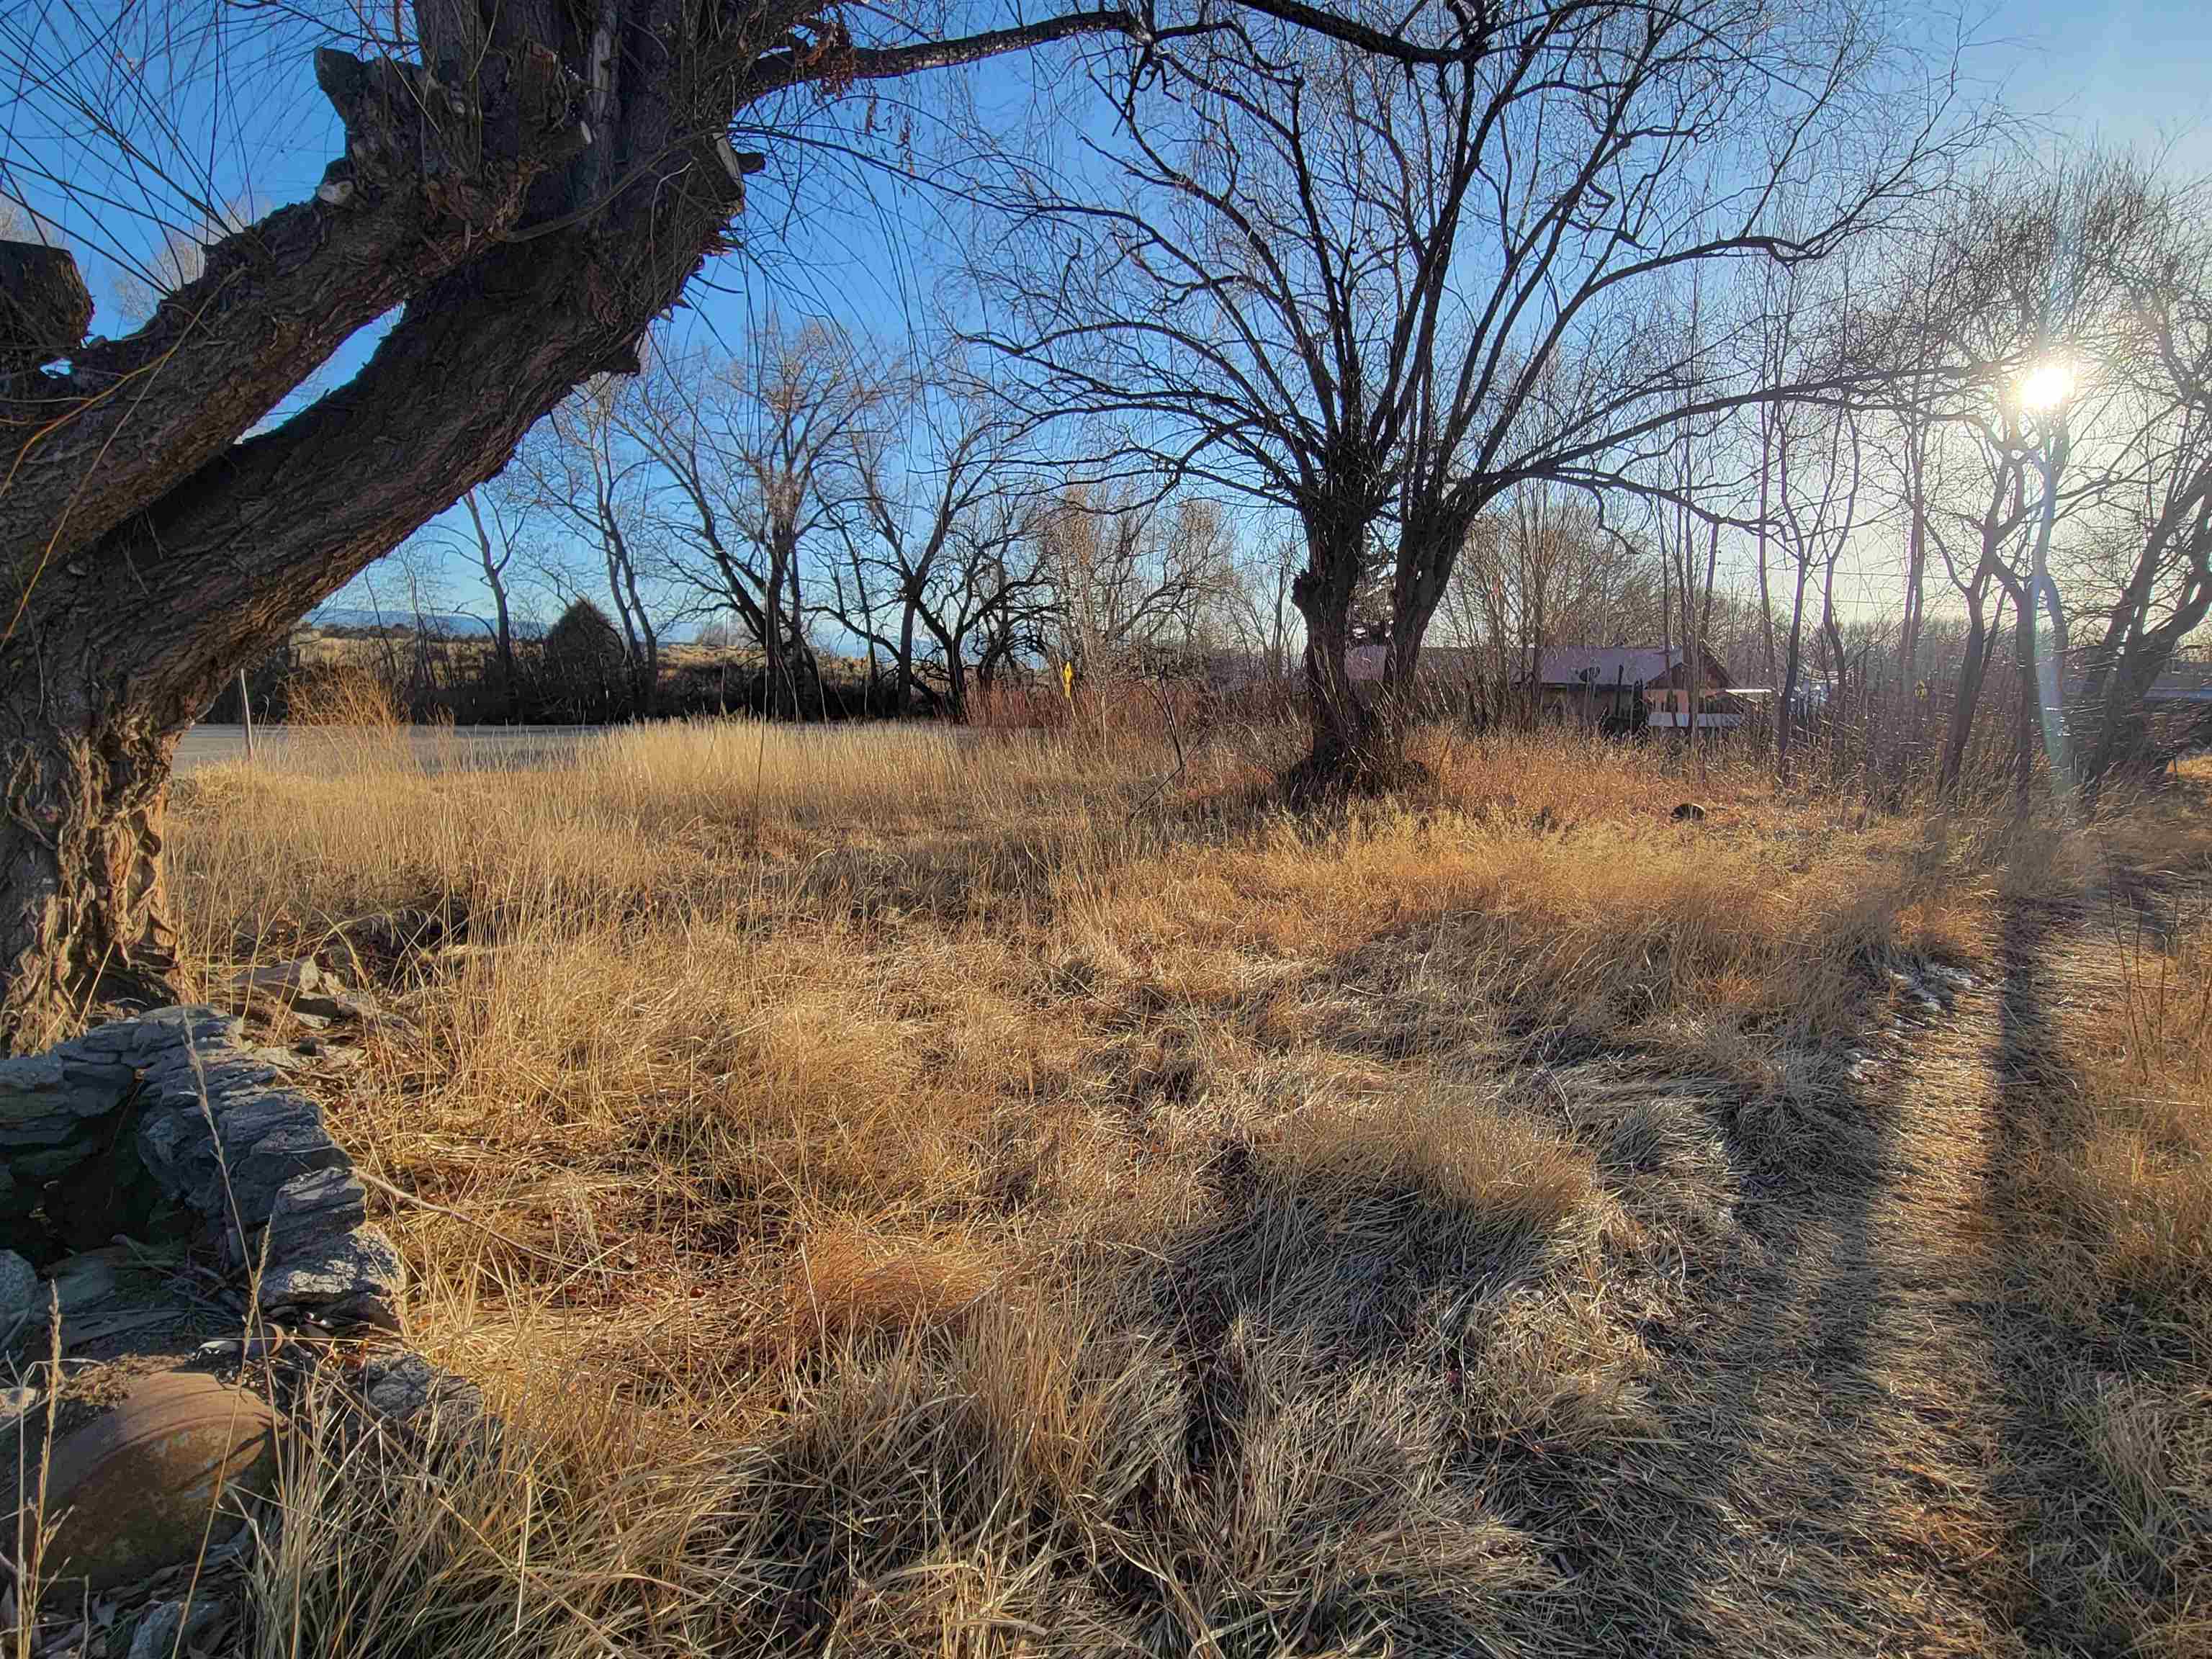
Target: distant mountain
x,y
446,624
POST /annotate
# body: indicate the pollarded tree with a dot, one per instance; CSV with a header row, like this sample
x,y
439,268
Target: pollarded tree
x,y
527,184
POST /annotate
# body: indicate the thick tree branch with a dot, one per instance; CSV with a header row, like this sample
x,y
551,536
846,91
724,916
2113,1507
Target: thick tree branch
x,y
134,417
832,59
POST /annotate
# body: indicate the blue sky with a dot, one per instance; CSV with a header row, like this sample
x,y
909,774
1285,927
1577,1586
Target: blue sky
x,y
865,248
2133,71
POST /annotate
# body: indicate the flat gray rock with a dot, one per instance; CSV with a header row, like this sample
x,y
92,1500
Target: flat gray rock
x,y
360,1264
404,1386
223,1152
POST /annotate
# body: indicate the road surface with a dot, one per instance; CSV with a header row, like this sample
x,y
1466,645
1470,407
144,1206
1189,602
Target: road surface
x,y
439,747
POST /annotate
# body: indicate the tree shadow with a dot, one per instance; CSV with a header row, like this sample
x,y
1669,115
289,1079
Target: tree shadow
x,y
1744,1523
1697,1420
1813,1476
2058,1334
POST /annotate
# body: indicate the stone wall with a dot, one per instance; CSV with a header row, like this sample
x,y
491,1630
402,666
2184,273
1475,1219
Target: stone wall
x,y
170,1127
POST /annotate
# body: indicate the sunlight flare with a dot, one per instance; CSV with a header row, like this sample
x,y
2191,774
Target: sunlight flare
x,y
2047,386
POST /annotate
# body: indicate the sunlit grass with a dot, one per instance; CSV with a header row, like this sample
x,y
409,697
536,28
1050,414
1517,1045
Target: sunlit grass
x,y
896,1176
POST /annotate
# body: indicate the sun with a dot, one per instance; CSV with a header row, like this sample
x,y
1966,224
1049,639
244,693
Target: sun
x,y
2047,386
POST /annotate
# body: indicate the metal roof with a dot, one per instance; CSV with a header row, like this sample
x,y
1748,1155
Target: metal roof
x,y
1610,665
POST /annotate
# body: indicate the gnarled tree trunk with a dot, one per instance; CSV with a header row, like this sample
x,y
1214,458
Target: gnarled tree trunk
x,y
82,919
1428,550
144,567
115,652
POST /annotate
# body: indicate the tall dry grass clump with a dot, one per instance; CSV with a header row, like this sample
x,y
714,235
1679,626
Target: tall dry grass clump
x,y
342,694
922,1191
343,720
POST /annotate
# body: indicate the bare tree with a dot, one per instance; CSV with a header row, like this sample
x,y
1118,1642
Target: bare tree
x,y
589,474
1817,457
2032,276
1383,301
1534,568
2160,350
990,602
927,492
496,545
1131,578
755,466
1918,356
1253,607
422,579
528,185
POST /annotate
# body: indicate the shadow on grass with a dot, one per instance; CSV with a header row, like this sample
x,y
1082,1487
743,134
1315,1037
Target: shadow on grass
x,y
2062,1339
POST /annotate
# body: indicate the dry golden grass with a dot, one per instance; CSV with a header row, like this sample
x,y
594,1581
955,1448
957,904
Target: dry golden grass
x,y
945,1193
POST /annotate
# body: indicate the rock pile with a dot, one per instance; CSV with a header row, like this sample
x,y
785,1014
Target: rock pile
x,y
170,1127
133,1161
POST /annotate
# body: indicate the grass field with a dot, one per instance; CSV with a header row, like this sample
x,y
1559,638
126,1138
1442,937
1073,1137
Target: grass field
x,y
911,1195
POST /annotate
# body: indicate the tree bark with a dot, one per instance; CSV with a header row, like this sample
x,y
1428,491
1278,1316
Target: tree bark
x,y
2027,727
2135,651
1428,550
219,568
1972,663
904,697
1916,550
83,917
1340,725
1342,753
1785,710
45,308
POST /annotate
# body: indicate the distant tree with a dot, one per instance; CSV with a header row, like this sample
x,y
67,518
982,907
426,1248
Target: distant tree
x,y
2158,594
592,475
752,467
720,636
925,480
1252,612
990,602
496,522
1132,578
584,662
1541,570
1820,455
2037,278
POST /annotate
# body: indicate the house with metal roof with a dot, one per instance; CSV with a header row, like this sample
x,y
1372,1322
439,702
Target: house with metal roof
x,y
1628,686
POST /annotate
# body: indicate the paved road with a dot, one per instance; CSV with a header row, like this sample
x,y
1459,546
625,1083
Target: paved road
x,y
461,746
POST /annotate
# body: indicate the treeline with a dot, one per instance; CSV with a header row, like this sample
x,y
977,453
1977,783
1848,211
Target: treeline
x,y
576,673
1907,421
